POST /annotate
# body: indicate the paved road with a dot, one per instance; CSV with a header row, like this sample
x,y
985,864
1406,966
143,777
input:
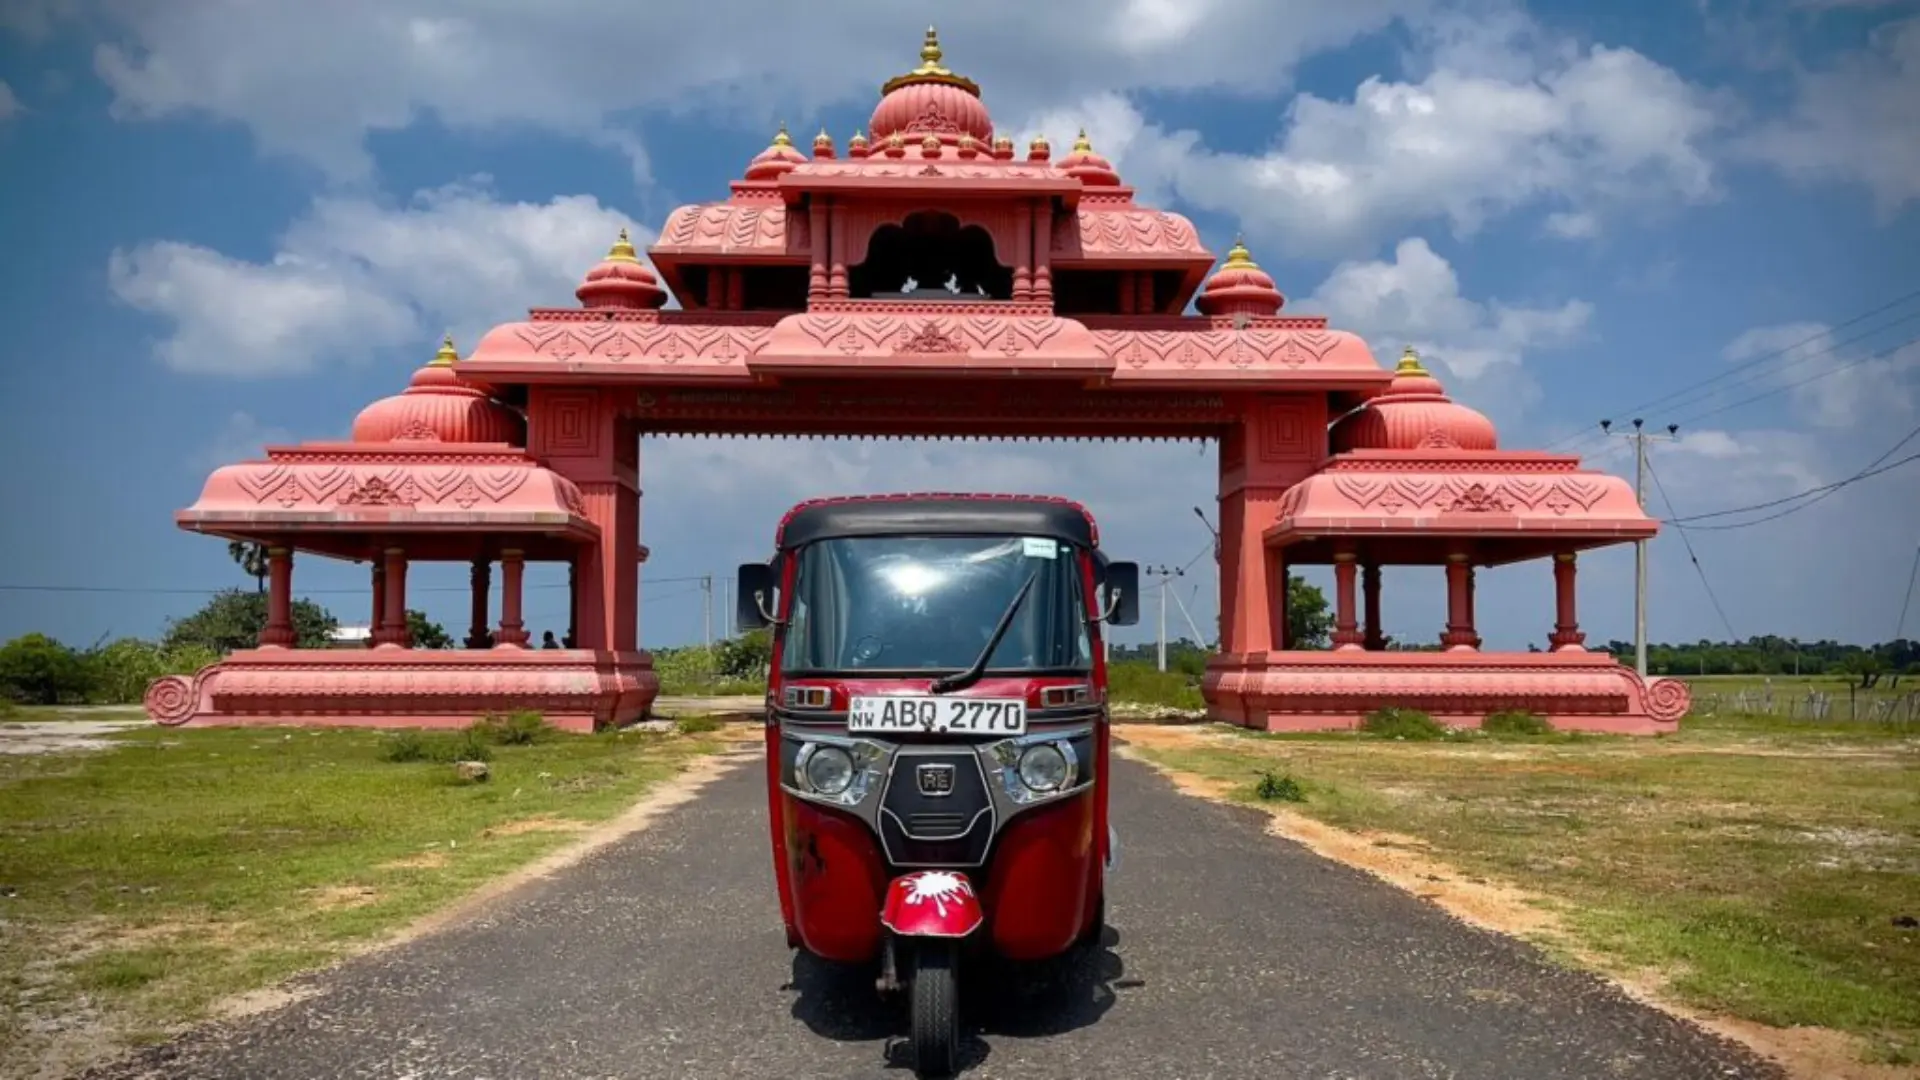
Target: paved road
x,y
1231,954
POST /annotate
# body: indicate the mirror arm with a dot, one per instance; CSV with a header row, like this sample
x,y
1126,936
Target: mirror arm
x,y
760,601
1113,605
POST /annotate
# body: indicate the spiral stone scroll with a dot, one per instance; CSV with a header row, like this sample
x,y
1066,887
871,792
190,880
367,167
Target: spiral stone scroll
x,y
170,700
1668,700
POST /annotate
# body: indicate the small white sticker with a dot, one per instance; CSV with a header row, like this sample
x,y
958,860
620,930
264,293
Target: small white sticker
x,y
1040,547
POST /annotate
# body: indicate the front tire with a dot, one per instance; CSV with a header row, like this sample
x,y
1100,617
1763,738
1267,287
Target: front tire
x,y
936,1009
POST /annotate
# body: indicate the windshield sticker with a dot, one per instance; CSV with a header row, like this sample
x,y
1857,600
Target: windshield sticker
x,y
1040,547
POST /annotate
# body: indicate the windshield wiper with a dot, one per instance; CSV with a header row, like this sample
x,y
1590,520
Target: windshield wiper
x,y
960,680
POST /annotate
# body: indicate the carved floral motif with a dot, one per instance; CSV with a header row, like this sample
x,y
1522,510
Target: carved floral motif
x,y
416,430
931,119
641,343
1188,349
929,340
382,486
373,491
852,335
1414,494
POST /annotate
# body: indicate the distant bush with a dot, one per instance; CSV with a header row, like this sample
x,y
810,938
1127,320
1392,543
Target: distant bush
x,y
1516,723
1409,724
404,746
515,729
468,744
1143,683
37,670
729,667
1279,787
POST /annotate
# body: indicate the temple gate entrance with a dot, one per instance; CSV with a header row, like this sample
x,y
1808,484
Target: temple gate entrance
x,y
929,282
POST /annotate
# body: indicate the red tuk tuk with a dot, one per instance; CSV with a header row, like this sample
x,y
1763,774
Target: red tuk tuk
x,y
937,742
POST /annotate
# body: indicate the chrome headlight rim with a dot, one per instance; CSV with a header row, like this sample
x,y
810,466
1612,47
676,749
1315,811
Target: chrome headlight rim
x,y
815,753
1008,754
869,768
1060,753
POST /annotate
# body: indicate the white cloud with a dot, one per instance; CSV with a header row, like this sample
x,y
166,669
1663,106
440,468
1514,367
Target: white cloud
x,y
9,105
355,275
241,438
1857,122
1415,300
312,81
1831,382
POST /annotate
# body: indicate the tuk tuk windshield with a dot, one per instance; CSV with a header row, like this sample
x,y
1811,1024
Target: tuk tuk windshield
x,y
930,603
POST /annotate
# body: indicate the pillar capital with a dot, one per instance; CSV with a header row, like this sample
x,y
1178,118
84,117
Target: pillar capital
x,y
1344,556
1564,556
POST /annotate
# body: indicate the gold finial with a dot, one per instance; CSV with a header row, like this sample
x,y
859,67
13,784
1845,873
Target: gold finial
x,y
1083,145
930,70
781,138
859,138
1238,257
1409,363
896,140
622,250
823,141
446,357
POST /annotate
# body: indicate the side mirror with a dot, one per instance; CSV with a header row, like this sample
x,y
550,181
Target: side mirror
x,y
1123,593
754,601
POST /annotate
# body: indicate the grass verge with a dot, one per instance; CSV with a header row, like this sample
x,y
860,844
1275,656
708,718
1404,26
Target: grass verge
x,y
1747,867
141,885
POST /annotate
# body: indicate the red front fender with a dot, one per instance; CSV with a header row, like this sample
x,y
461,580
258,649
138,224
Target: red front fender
x,y
932,903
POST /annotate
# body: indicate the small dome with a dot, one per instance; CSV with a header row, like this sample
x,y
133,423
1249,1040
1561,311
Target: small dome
x,y
776,159
439,406
1039,149
857,146
1240,287
1414,413
930,100
823,144
621,280
1086,166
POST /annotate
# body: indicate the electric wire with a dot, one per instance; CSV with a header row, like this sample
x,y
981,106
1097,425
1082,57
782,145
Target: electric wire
x,y
1883,354
1912,574
1692,555
1874,468
1753,362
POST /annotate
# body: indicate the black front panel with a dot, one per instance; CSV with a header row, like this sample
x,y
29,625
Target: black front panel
x,y
936,810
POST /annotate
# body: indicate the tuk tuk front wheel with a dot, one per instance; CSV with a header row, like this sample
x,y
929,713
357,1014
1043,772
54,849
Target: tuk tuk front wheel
x,y
936,1009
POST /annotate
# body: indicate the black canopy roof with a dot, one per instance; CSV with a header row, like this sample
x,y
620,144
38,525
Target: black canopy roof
x,y
937,515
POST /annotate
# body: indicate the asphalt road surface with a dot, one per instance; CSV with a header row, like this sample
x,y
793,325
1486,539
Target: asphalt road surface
x,y
1230,954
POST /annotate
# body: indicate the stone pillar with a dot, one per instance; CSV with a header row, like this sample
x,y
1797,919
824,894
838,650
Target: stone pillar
x,y
1459,635
479,579
513,633
1373,640
582,435
278,633
1566,636
1346,622
1023,252
817,232
837,268
1276,444
393,620
736,289
572,640
1043,253
377,621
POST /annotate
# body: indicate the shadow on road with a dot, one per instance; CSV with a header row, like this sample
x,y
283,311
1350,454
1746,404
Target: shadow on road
x,y
1016,1001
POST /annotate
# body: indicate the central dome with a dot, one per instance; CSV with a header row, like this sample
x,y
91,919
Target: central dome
x,y
930,100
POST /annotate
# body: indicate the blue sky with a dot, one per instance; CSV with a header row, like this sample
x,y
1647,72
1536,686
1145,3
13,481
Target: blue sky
x,y
238,224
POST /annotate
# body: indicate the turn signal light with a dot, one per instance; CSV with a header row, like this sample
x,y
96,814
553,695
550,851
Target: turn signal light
x,y
806,697
1054,697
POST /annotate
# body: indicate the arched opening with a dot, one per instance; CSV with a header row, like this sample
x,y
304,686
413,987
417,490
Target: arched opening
x,y
930,256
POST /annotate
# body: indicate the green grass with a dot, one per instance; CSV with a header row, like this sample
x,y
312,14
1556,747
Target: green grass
x,y
1143,684
1759,864
187,865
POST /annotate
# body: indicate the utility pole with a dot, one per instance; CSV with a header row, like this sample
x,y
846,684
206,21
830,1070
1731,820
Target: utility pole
x,y
1639,438
1166,574
706,587
726,605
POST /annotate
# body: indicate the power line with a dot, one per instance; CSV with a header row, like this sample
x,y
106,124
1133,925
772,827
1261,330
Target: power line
x,y
1863,474
1691,554
1873,469
1911,576
1883,354
1583,433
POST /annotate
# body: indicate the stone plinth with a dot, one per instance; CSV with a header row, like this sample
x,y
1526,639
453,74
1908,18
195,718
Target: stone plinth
x,y
575,689
1322,691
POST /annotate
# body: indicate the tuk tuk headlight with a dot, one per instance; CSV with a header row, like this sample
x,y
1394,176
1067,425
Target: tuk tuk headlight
x,y
828,770
1044,768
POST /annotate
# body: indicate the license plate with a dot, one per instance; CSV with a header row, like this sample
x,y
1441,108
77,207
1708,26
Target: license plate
x,y
937,715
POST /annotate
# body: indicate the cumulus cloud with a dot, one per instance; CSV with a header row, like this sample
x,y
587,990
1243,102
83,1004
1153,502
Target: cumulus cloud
x,y
355,275
9,105
312,82
1414,300
1831,382
1857,121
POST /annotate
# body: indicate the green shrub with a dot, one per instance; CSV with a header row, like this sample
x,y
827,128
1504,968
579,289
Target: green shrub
x,y
404,746
521,728
1281,787
1409,724
1516,723
1143,683
470,744
37,670
695,725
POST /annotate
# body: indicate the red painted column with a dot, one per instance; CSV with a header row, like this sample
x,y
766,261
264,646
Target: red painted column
x,y
573,604
393,620
513,633
817,231
1566,636
1346,623
479,580
837,234
1277,574
1459,633
1043,253
1023,252
278,633
736,289
1275,445
377,621
581,435
1373,640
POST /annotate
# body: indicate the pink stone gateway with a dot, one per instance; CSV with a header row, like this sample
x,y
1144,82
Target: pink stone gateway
x,y
929,283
